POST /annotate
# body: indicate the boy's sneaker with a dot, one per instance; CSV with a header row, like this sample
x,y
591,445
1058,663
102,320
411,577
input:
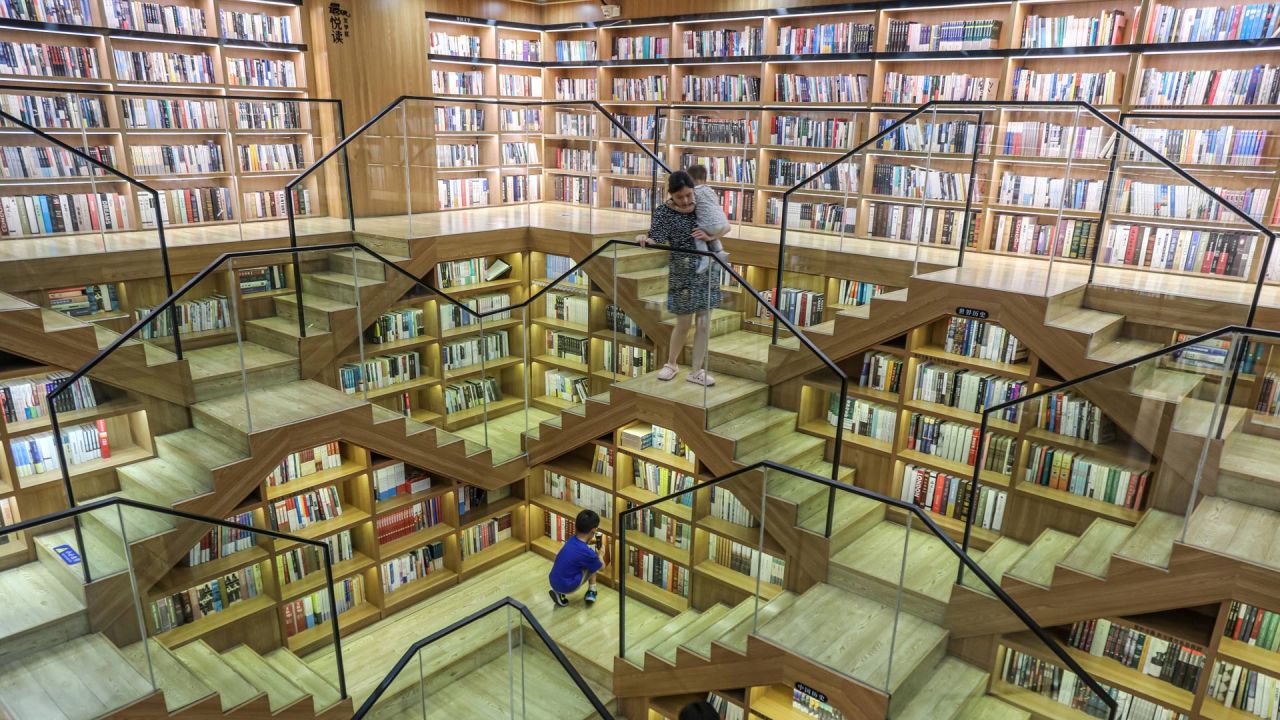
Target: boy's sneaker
x,y
559,599
590,597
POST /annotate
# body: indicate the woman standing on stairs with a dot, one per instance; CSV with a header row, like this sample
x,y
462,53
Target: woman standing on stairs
x,y
691,295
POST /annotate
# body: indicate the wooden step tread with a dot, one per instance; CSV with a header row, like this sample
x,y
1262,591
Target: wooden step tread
x,y
205,450
10,302
139,523
278,405
348,280
319,303
709,617
792,488
1122,350
701,643
83,678
990,708
1151,540
1251,456
749,346
1084,320
1036,565
645,274
930,568
166,479
55,321
1197,417
181,686
1092,552
952,684
542,690
736,637
1167,385
762,420
787,449
205,662
323,692
995,562
637,649
726,390
281,693
33,598
1236,529
282,325
232,358
105,551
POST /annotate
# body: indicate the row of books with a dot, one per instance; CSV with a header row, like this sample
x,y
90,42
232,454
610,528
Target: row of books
x,y
575,50
1107,28
1257,85
198,315
881,371
825,38
154,17
573,189
409,520
983,340
1269,395
518,49
475,350
518,153
803,308
568,88
460,396
164,67
49,161
260,72
951,136
442,43
641,47
661,526
305,463
520,119
517,85
661,481
805,131
707,129
28,398
471,497
1066,688
23,215
1027,235
1188,202
602,461
177,159
39,59
57,111
831,217
915,182
1067,414
1244,689
299,511
188,205
723,42
222,541
720,88
396,325
848,88
1174,24
863,417
785,173
398,479
413,565
569,308
458,119
721,168
67,12
958,443
453,317
908,36
299,562
1172,661
630,163
260,279
1099,88
1050,192
726,506
261,157
745,559
482,536
462,192
576,124
208,598
35,454
628,360
518,188
460,273
456,82
569,158
948,495
913,223
920,89
658,571
616,319
312,610
1253,625
1049,139
557,527
1226,145
581,494
457,155
967,390
567,346
1088,477
568,386
380,372
644,437
654,88
257,26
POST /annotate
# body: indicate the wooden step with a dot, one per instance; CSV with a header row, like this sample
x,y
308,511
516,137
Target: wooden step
x,y
338,286
789,449
872,566
180,685
951,686
741,353
82,678
324,694
637,649
853,516
1036,565
1165,385
1122,350
163,481
860,646
729,398
736,637
540,688
1101,327
1235,529
1247,470
281,693
628,259
1151,540
269,407
701,643
229,369
276,332
757,428
102,549
709,617
990,708
1092,552
200,449
359,262
1197,417
39,611
995,562
317,309
205,663
139,523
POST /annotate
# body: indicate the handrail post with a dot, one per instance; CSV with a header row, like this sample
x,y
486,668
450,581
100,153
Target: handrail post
x,y
168,276
968,196
1106,204
333,620
972,512
782,254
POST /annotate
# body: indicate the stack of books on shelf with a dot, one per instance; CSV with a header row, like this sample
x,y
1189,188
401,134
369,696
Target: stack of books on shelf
x,y
1107,28
256,26
641,127
165,114
409,520
397,479
952,136
653,88
1046,139
521,119
1226,145
1065,687
881,371
568,308
297,563
471,393
1188,202
658,571
475,350
643,437
722,43
1099,88
1050,192
720,88
516,85
1171,24
840,37
268,115
413,565
1027,235
456,45
948,495
1162,248
568,158
64,212
251,281
1163,658
848,88
452,82
299,511
967,390
575,124
50,161
856,292
39,59
644,47
661,527
726,506
396,325
154,17
518,188
1258,85
260,157
629,360
662,481
864,418
1269,395
211,313
745,559
206,599
616,319
1212,354
188,205
562,269
602,461
482,536
557,527
313,610
1078,474
568,386
177,159
457,155
725,169
829,217
805,131
1253,626
575,50
919,89
982,339
306,462
1066,414
705,129
380,372
568,88
257,72
460,273
567,345
161,67
906,36
912,223
28,398
457,119
35,454
958,443
69,12
519,153
785,173
911,181
462,192
522,50
222,541
579,493
56,112
453,317
8,516
1244,689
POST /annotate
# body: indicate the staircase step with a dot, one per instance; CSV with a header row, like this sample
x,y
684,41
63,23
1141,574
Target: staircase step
x,y
276,332
1166,385
167,481
181,686
39,611
323,693
1036,566
729,398
990,708
1246,470
951,686
201,449
736,637
853,516
336,285
102,549
139,524
1151,540
281,693
1092,552
701,643
317,308
83,678
709,617
1122,350
1085,321
227,361
205,662
758,427
995,562
636,651
872,566
788,449
269,407
1235,529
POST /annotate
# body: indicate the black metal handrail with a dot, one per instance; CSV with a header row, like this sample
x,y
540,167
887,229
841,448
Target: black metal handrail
x,y
74,514
1232,380
960,107
915,511
580,682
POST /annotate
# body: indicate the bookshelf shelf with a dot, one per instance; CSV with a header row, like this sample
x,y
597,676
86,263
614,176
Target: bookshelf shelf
x,y
493,407
418,589
382,507
827,430
654,595
1249,656
425,536
664,459
316,637
108,409
1034,703
83,471
1097,507
483,368
198,629
580,469
488,510
490,556
315,580
181,578
680,556
400,388
986,477
949,413
344,472
351,516
1115,453
738,533
1011,369
640,495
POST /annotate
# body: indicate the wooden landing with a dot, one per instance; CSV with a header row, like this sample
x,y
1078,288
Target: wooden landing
x,y
278,406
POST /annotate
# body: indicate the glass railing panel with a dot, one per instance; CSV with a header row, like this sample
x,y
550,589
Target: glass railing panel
x,y
378,164
797,143
574,160
723,143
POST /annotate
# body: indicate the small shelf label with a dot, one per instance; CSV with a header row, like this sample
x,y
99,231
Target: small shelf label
x,y
972,313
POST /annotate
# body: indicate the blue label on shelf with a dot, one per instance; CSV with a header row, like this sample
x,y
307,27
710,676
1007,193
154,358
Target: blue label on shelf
x,y
68,554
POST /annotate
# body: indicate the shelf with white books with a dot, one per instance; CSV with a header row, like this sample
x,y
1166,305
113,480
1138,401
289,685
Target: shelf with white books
x,y
181,578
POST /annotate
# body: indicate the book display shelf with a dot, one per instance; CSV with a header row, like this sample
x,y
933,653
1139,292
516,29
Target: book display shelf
x,y
680,554
799,88
761,702
397,535
103,428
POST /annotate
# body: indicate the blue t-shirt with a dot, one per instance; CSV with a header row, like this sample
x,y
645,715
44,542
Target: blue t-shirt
x,y
575,561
